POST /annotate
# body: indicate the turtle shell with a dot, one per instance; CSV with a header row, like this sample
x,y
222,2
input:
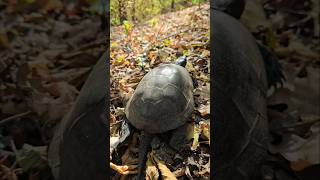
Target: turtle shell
x,y
78,148
162,101
239,88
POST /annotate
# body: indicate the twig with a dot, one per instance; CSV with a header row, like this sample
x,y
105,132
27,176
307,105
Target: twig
x,y
93,45
301,124
6,153
149,47
166,37
304,20
13,147
3,158
14,117
13,165
286,10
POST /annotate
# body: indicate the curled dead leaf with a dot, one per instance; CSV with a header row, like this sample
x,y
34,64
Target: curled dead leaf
x,y
131,169
8,173
205,127
179,172
165,171
152,172
4,41
299,165
114,142
196,134
204,110
129,156
39,68
50,5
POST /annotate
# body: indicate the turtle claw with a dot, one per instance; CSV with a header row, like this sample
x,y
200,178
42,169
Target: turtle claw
x,y
275,76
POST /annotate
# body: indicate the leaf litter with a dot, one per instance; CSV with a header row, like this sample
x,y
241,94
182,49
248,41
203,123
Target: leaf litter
x,y
47,51
291,30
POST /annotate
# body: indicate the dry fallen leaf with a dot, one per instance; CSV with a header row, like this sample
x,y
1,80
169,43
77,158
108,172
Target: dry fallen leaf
x,y
8,173
253,16
152,172
295,148
196,134
129,156
204,109
299,165
125,170
114,142
4,41
205,126
39,68
50,5
179,172
165,171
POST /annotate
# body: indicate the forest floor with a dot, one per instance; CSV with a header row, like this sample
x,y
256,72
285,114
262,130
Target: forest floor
x,y
291,30
46,52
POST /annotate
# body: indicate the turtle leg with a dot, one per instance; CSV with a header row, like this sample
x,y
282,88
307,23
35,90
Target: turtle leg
x,y
273,68
144,148
130,126
179,137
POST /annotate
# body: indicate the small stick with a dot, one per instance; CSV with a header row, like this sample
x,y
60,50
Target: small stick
x,y
14,117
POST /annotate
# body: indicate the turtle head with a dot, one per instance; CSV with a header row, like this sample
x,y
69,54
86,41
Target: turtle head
x,y
234,8
182,61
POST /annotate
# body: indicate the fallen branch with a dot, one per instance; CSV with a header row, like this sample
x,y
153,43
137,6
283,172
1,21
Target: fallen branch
x,y
14,117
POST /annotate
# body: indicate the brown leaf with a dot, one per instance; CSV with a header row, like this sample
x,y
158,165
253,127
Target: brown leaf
x,y
51,108
58,108
39,67
131,169
9,107
299,165
114,142
254,16
179,172
165,171
196,134
129,156
151,170
205,126
4,41
39,103
59,89
301,94
50,5
204,110
8,173
295,148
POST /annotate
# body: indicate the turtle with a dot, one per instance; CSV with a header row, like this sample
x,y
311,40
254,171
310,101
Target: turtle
x,y
78,149
239,92
239,87
163,101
